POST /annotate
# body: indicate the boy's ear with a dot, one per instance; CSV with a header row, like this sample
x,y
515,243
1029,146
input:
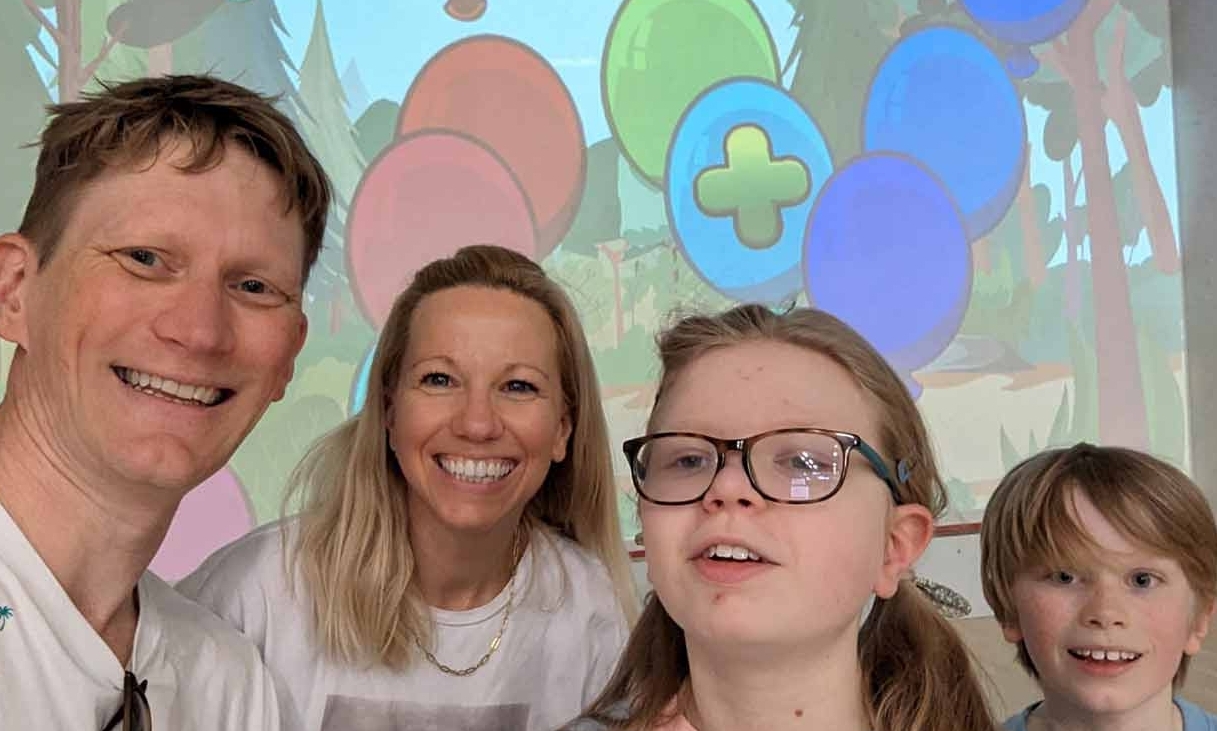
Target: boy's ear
x,y
18,261
1012,632
909,531
1200,628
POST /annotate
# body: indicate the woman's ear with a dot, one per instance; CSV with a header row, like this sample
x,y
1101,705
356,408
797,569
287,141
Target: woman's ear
x,y
909,531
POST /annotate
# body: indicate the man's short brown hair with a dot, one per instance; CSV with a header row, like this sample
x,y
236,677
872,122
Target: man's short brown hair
x,y
1030,522
129,124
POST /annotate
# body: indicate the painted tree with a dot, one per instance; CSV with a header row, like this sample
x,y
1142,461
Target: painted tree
x,y
25,96
376,128
327,127
123,62
156,26
834,56
240,41
1136,70
72,73
1122,417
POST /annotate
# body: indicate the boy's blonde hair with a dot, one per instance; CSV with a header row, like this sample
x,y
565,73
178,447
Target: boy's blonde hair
x,y
1031,523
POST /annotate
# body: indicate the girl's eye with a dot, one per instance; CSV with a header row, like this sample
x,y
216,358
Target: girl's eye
x,y
1064,578
1144,580
436,380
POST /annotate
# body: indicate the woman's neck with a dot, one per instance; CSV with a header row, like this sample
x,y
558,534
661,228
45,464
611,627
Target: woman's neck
x,y
796,688
1158,713
457,570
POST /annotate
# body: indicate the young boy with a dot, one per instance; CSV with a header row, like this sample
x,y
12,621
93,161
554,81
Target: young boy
x,y
1100,563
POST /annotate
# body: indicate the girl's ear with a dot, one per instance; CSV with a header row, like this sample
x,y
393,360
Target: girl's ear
x,y
909,531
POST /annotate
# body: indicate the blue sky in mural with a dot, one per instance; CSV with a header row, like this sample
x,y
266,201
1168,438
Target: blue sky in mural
x,y
390,45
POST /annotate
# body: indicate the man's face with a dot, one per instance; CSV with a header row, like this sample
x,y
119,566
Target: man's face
x,y
166,322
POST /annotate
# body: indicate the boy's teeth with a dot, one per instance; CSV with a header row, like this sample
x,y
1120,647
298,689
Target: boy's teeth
x,y
1107,655
736,553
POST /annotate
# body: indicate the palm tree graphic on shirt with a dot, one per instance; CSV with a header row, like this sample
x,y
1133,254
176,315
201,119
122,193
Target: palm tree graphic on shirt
x,y
6,613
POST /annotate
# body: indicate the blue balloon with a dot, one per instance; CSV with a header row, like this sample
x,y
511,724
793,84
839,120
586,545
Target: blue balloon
x,y
941,96
1025,22
745,165
359,389
886,252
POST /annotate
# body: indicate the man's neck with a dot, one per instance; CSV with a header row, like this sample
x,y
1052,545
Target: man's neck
x,y
791,689
95,540
1159,713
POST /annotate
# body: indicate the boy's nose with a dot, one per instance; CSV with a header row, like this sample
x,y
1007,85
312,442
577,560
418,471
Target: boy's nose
x,y
1103,609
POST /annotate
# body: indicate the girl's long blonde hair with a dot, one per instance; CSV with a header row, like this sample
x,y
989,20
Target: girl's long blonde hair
x,y
917,674
353,552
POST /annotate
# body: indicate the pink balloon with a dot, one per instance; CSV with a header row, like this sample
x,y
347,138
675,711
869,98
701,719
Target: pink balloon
x,y
426,196
210,516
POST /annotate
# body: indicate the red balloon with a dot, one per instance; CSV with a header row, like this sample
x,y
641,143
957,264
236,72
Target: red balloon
x,y
210,516
426,196
503,94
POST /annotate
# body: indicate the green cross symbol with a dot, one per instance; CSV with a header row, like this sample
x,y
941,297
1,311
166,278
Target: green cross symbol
x,y
752,186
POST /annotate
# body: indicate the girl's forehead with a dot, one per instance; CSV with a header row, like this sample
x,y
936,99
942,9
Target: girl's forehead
x,y
760,385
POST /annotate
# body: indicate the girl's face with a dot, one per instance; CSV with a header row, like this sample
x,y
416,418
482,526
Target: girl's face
x,y
820,563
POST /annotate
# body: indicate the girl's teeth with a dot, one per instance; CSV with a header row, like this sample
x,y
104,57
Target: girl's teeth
x,y
735,553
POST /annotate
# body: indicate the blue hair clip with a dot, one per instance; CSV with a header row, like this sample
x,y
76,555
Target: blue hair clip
x,y
902,471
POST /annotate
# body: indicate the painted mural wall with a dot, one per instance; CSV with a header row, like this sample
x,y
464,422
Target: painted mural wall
x,y
985,189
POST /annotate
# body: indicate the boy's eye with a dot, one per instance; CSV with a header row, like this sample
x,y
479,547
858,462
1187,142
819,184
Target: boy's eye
x,y
1144,580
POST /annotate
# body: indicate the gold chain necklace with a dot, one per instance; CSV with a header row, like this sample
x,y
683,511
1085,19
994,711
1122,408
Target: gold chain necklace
x,y
517,553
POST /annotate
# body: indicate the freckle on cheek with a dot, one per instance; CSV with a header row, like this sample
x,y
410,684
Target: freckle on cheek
x,y
718,598
798,713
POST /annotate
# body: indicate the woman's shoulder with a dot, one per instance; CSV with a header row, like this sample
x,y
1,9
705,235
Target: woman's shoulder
x,y
574,571
255,558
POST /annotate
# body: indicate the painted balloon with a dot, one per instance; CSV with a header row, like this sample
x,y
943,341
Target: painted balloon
x,y
504,95
211,515
426,196
745,167
941,96
886,251
1026,22
660,54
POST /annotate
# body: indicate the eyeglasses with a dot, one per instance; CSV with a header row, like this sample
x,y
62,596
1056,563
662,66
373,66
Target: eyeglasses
x,y
794,466
135,714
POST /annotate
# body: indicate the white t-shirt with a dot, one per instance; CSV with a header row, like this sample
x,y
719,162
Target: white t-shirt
x,y
562,639
56,672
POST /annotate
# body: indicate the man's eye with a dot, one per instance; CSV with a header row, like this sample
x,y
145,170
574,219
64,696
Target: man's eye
x,y
142,256
253,286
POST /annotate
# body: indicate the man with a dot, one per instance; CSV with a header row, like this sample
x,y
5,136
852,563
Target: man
x,y
154,292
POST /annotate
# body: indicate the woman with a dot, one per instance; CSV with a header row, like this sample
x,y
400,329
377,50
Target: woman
x,y
458,563
787,486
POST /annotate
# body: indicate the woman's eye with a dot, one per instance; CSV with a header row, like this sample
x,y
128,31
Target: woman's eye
x,y
520,386
436,380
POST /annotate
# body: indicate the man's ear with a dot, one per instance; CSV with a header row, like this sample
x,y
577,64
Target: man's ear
x,y
909,531
18,261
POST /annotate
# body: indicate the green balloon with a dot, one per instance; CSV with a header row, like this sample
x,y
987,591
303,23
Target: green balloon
x,y
661,54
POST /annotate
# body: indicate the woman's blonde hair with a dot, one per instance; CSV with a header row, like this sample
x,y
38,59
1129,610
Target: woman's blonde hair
x,y
1030,522
353,552
917,674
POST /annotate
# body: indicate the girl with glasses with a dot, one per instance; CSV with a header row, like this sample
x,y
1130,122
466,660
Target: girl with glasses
x,y
787,485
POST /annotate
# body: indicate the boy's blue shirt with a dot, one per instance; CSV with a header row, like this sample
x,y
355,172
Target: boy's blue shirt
x,y
1194,718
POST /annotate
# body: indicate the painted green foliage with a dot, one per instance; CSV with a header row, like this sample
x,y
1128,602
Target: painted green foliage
x,y
25,96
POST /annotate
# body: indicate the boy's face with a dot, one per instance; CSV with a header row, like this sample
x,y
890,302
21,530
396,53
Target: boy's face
x,y
1107,637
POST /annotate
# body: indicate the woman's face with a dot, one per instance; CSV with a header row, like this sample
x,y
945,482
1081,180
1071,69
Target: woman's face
x,y
477,415
819,563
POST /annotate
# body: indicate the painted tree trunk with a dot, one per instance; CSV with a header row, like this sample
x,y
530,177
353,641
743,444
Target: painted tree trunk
x,y
1033,248
1073,241
1122,418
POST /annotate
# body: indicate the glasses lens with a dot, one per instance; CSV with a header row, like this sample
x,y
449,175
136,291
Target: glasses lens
x,y
675,468
798,466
